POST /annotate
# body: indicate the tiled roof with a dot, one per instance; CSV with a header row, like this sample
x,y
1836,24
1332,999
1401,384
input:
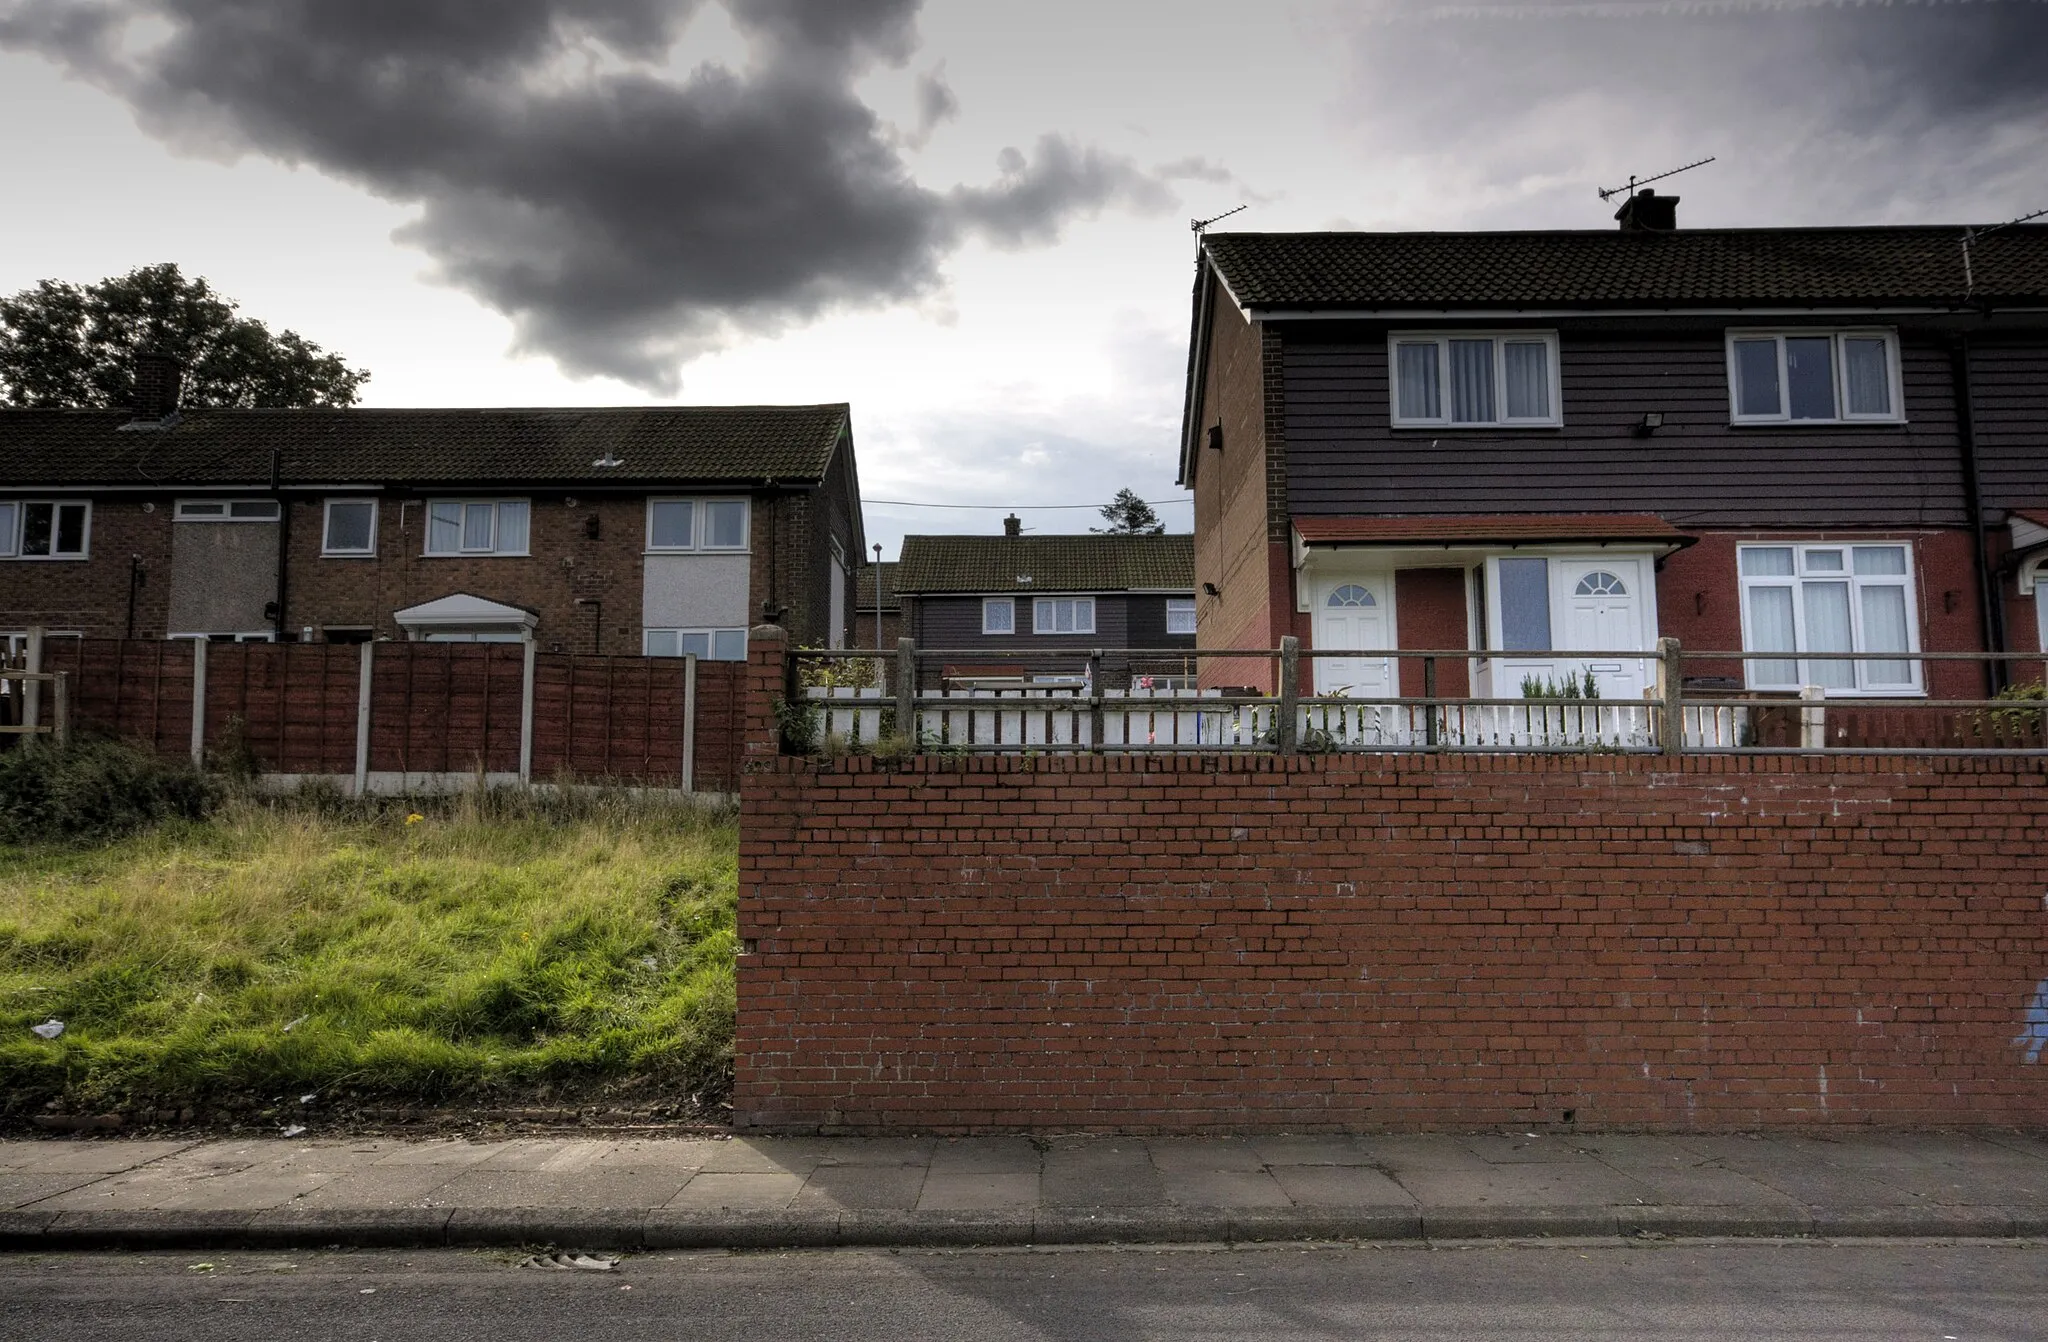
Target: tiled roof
x,y
864,586
1046,564
1505,528
492,447
1610,268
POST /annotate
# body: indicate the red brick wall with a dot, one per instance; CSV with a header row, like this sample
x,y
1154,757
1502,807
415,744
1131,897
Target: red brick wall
x,y
1429,606
1223,943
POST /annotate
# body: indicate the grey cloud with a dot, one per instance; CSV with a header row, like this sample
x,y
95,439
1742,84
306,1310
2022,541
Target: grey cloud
x,y
936,102
626,218
1844,112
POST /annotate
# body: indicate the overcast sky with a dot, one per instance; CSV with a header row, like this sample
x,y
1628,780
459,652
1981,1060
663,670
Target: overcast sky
x,y
970,220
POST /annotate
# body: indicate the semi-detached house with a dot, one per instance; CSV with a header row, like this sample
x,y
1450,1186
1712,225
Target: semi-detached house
x,y
660,531
1527,444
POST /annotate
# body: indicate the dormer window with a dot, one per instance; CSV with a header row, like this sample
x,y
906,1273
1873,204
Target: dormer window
x,y
1474,379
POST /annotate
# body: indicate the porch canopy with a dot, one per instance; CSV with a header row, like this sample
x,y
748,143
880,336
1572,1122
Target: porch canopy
x,y
1488,531
466,618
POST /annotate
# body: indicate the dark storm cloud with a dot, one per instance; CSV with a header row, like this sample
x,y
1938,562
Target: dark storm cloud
x,y
624,217
1835,112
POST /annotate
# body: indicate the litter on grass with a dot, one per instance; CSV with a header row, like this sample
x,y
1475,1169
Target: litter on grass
x,y
295,1129
294,1023
49,1029
573,1262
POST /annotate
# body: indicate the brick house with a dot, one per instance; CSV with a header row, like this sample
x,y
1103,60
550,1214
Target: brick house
x,y
1798,439
876,603
1058,598
661,530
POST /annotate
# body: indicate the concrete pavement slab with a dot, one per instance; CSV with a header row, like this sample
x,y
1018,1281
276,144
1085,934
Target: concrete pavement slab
x,y
1532,1149
977,1192
75,1157
1338,1150
1584,1183
1800,1174
554,1157
1425,1152
752,1190
449,1151
543,1188
1224,1188
21,1190
1677,1176
1100,1172
862,1187
985,1155
249,1190
1339,1186
1781,1221
880,1151
382,1186
1205,1154
767,1155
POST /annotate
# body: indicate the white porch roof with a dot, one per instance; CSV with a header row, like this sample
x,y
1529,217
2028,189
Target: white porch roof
x,y
464,609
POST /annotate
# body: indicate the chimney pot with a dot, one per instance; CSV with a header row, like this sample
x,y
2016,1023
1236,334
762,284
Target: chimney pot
x,y
159,380
1012,526
1648,212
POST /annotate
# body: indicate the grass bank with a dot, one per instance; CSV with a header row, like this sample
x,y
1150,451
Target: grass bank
x,y
504,945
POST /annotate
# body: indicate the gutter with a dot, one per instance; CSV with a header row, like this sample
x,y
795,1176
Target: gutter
x,y
1198,366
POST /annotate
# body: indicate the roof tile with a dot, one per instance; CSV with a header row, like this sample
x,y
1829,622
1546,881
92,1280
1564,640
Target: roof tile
x,y
1091,563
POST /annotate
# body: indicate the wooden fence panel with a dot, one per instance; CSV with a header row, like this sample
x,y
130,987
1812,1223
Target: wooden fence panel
x,y
445,707
721,726
137,691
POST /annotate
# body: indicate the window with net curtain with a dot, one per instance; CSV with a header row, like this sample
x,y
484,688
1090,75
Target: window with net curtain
x,y
477,526
1475,380
1834,599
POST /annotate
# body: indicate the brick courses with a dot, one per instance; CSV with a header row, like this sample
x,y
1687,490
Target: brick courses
x,y
1214,942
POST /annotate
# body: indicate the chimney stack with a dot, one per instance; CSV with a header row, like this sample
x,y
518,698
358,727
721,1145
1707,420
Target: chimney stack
x,y
159,379
1648,212
1012,526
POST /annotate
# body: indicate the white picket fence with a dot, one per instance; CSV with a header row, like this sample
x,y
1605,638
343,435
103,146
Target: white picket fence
x,y
1064,719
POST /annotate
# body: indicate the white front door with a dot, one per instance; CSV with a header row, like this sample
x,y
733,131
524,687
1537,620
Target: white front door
x,y
1354,615
1602,603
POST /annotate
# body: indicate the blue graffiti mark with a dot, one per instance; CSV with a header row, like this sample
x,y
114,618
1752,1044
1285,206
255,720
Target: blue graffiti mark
x,y
2035,1037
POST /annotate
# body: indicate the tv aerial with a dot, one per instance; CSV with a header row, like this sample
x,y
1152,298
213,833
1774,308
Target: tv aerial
x,y
1971,235
1609,193
1197,226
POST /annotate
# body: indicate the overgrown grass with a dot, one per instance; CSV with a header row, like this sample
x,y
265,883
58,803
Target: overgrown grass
x,y
492,945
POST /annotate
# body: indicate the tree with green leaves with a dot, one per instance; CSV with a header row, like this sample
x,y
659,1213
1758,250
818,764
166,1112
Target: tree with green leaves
x,y
64,344
1129,515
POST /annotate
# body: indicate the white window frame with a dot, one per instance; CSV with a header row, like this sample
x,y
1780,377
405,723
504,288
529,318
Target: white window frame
x,y
227,636
465,550
328,551
1796,581
1183,606
1039,602
700,525
1836,334
11,540
648,638
1003,603
1442,339
202,510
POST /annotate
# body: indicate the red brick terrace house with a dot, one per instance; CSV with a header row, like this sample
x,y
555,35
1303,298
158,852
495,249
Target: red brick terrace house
x,y
662,531
1797,439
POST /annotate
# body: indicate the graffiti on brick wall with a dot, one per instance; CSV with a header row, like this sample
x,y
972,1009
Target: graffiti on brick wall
x,y
2035,1037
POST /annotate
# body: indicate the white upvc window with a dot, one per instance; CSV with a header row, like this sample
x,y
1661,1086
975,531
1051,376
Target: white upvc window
x,y
1180,615
710,645
477,526
45,529
1808,376
349,529
1474,379
1063,615
998,615
1814,597
679,526
227,510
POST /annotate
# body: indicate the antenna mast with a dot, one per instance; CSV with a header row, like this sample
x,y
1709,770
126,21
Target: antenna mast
x,y
1611,192
1970,235
1198,226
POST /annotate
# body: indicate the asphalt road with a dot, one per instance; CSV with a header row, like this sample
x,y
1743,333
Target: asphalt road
x,y
1896,1292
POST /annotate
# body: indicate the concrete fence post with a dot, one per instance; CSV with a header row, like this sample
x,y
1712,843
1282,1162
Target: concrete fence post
x,y
363,672
526,712
60,725
1813,718
1286,731
199,703
690,722
906,690
1670,681
31,690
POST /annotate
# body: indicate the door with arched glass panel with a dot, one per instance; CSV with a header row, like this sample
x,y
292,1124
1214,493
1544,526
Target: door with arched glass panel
x,y
1603,612
1354,615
